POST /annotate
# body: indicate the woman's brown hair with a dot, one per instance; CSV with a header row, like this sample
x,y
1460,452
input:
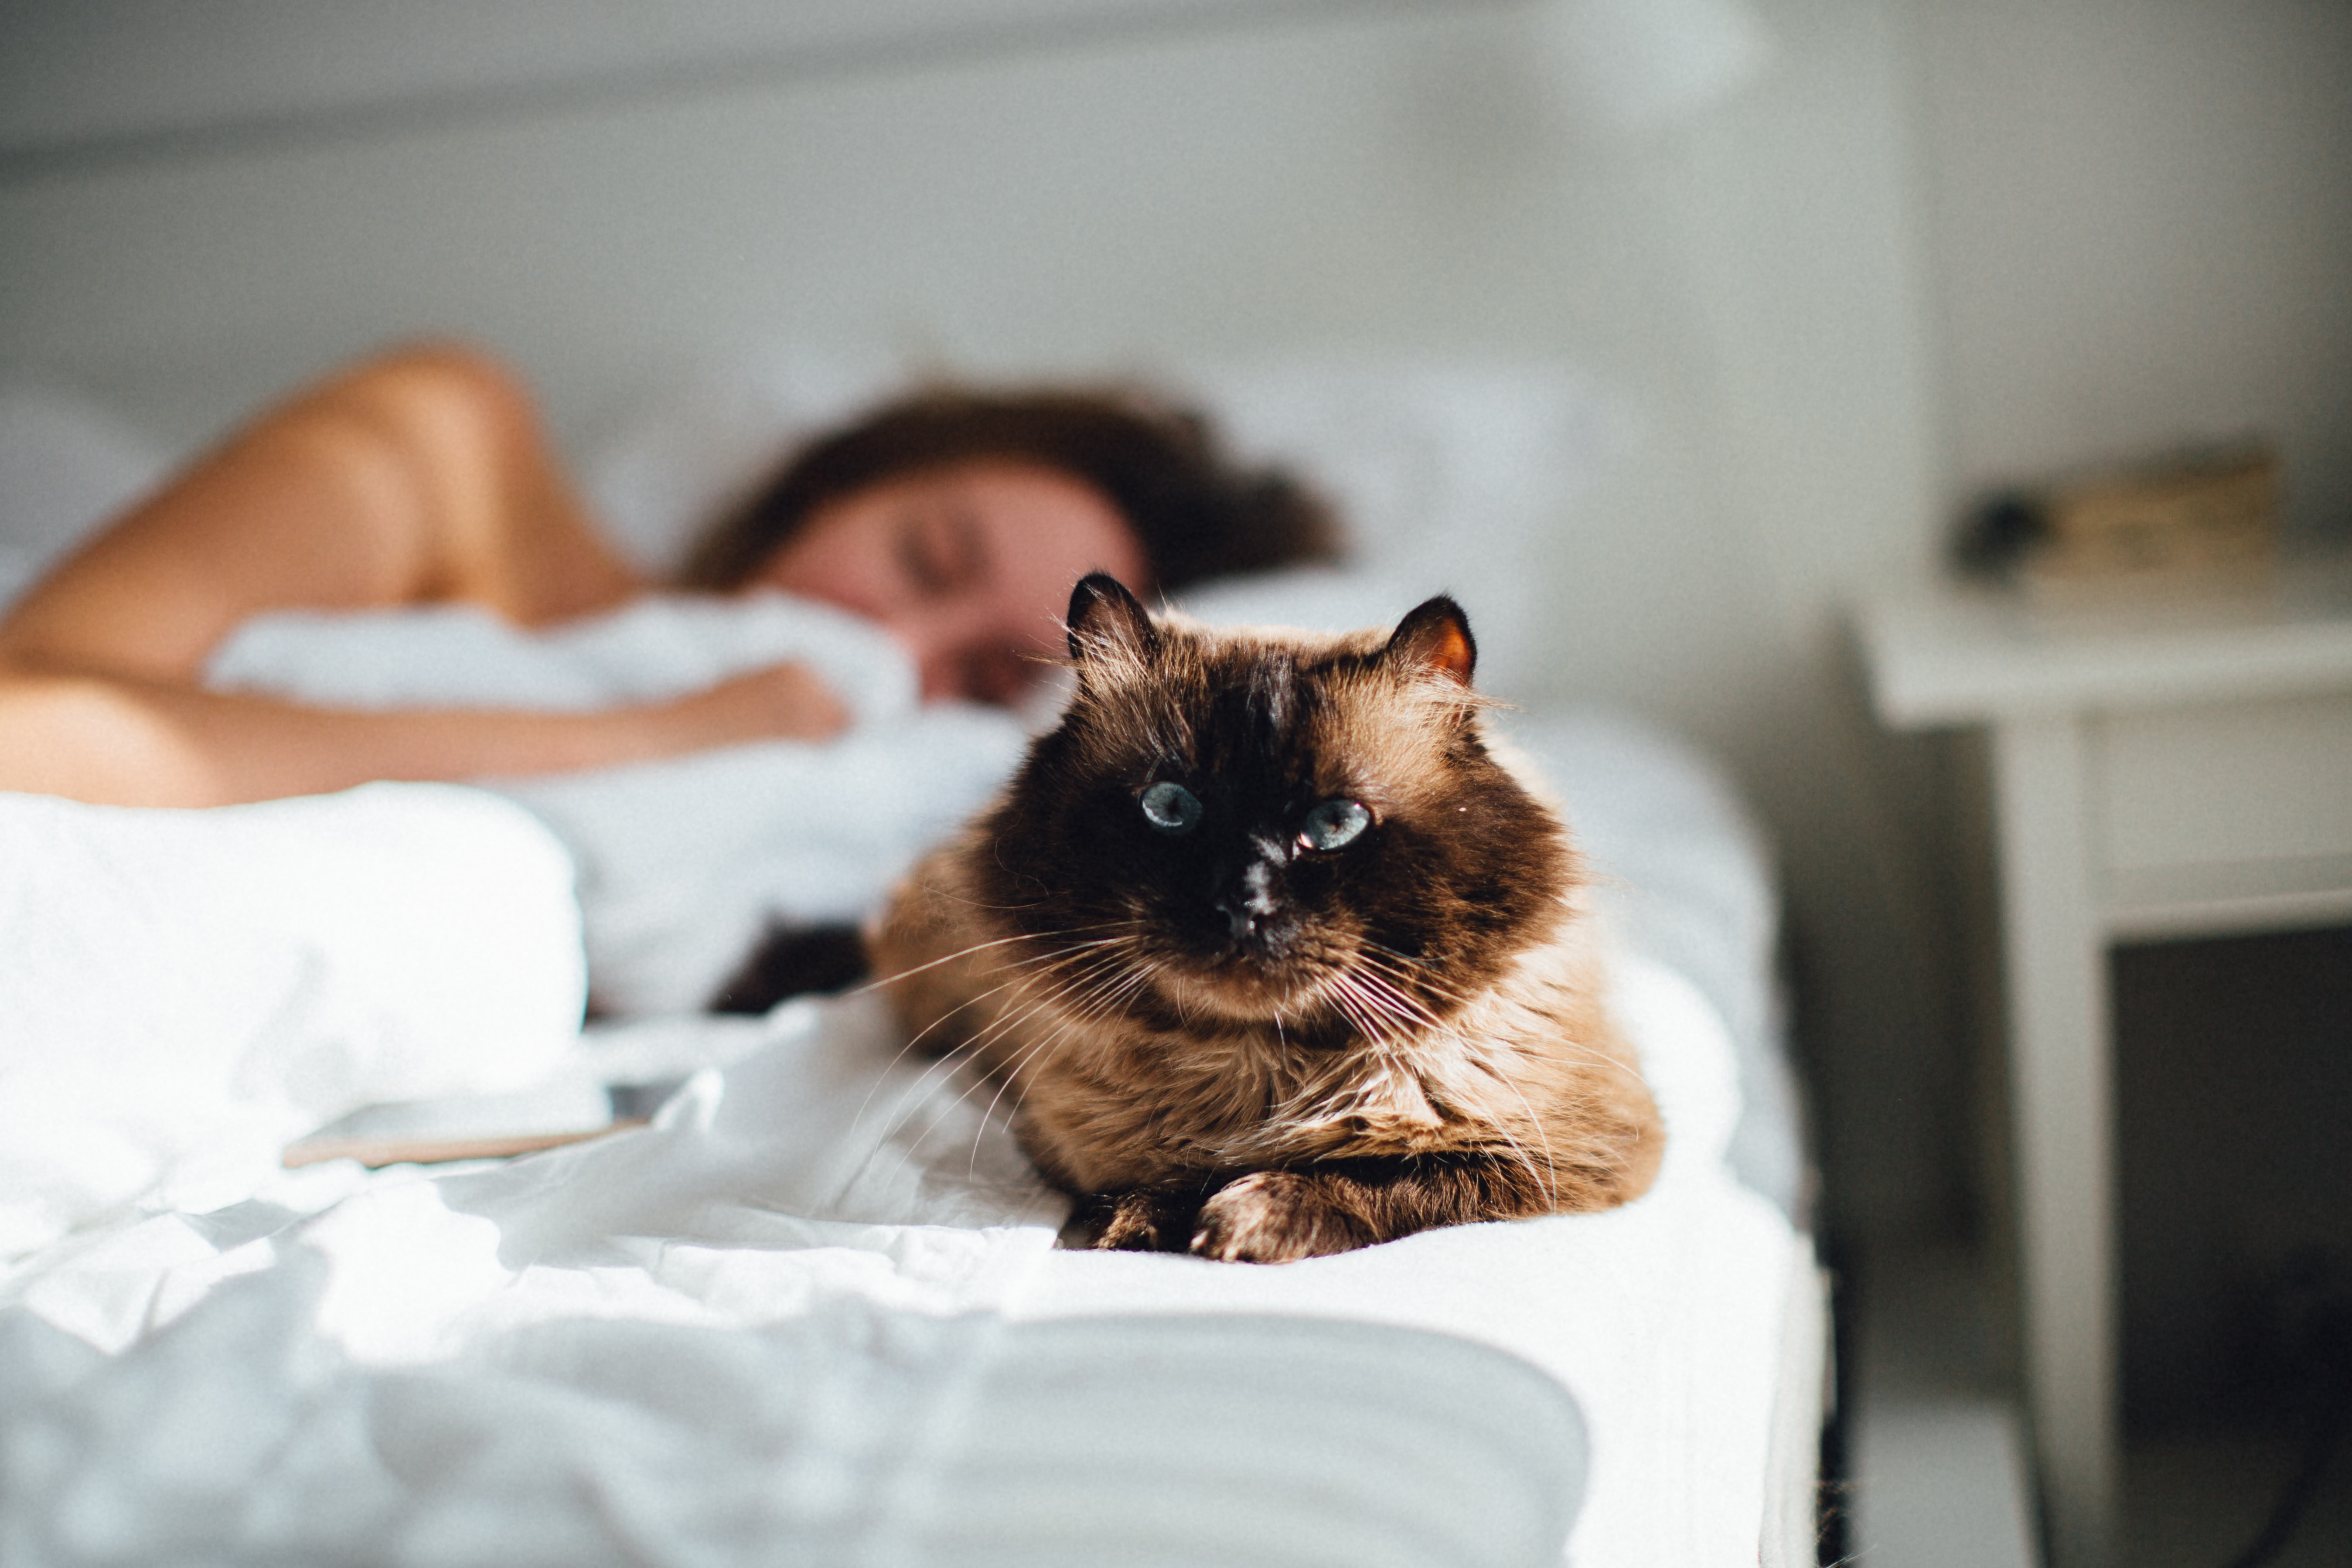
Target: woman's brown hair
x,y
1196,512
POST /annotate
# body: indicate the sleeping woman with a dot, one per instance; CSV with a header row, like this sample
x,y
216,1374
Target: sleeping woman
x,y
956,522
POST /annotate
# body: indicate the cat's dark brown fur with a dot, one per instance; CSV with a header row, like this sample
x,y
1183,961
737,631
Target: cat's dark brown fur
x,y
1234,1025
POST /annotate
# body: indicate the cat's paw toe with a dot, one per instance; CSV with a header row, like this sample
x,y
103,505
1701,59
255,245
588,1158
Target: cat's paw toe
x,y
1275,1217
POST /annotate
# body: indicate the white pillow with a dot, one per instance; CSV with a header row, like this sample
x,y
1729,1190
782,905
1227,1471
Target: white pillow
x,y
1448,474
706,438
1450,477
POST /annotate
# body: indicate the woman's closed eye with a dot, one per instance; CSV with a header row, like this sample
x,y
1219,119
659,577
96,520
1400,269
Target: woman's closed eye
x,y
941,550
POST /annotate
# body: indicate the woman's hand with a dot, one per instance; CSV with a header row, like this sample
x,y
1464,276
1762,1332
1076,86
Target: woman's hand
x,y
783,701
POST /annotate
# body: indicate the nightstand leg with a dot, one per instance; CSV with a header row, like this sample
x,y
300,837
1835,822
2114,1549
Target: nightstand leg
x,y
2061,1111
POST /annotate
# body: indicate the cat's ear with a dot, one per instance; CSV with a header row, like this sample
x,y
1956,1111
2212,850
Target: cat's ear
x,y
1434,639
1104,618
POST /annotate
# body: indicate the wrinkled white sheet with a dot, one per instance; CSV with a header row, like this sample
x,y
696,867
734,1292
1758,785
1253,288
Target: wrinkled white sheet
x,y
797,1319
183,992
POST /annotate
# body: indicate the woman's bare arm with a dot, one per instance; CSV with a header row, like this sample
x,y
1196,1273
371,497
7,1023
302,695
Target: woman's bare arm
x,y
135,741
422,477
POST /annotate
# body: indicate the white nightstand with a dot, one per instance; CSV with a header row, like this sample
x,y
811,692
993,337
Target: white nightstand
x,y
2157,770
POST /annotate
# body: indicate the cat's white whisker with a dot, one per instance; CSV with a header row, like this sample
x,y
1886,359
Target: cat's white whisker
x,y
1549,1174
1402,1004
947,1057
1382,1010
1005,1078
880,982
1374,961
920,1093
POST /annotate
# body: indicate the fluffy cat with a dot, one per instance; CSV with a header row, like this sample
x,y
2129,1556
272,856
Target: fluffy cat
x,y
1274,954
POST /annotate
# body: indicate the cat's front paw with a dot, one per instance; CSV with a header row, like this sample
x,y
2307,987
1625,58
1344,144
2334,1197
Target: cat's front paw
x,y
1276,1216
1132,1222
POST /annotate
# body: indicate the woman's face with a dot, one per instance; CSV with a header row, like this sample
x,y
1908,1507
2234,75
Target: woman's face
x,y
971,566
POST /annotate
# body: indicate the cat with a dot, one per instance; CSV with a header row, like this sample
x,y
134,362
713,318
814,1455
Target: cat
x,y
1273,952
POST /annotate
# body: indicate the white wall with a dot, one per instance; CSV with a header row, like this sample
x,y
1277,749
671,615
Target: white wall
x,y
1936,244
2140,222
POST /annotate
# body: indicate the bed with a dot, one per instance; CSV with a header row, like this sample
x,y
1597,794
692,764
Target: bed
x,y
800,1299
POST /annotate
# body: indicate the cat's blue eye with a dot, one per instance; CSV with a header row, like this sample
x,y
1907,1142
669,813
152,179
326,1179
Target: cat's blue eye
x,y
1334,824
1171,807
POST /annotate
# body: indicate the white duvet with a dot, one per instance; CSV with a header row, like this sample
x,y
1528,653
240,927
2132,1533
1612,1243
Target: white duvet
x,y
754,1332
815,1313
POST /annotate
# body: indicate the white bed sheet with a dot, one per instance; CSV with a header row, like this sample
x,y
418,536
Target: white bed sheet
x,y
519,1360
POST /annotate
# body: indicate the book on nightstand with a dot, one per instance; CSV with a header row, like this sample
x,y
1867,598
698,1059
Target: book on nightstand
x,y
2192,523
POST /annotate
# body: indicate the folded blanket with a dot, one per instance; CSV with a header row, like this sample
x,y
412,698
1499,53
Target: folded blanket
x,y
183,991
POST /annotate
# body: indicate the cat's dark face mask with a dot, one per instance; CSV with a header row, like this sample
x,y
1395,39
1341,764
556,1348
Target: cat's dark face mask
x,y
1228,826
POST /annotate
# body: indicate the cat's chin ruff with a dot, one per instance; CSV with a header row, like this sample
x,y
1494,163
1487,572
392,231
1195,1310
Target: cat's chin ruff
x,y
1239,995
